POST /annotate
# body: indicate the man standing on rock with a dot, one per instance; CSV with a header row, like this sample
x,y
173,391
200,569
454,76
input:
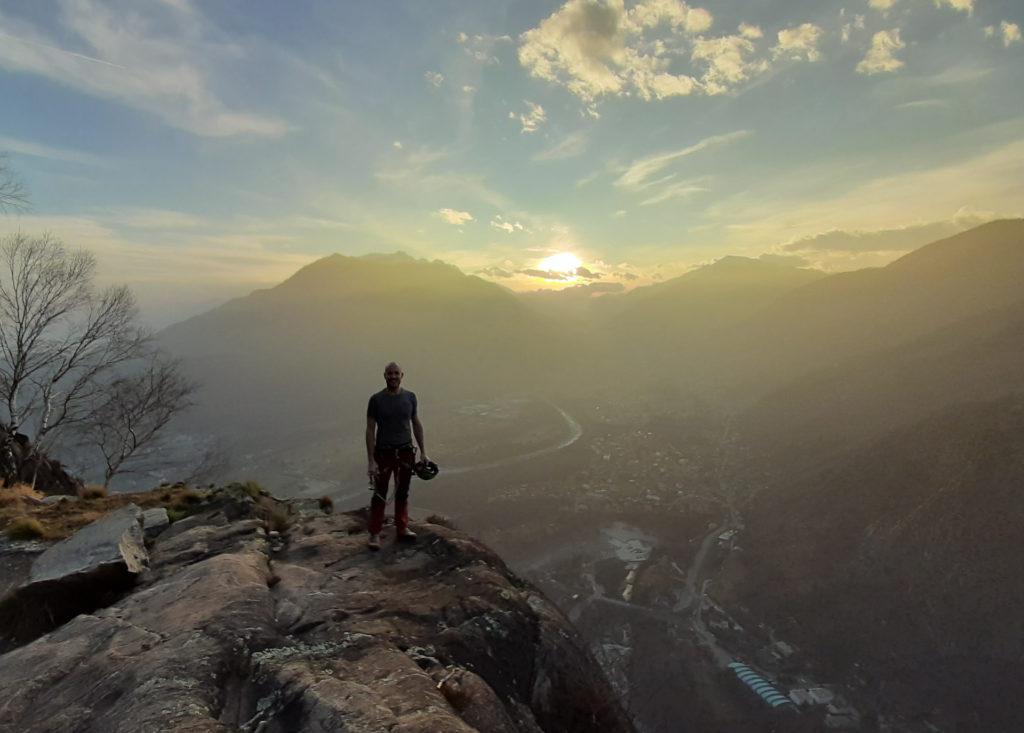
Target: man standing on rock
x,y
389,451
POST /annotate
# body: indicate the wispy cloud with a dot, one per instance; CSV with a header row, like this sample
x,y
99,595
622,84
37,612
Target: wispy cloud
x,y
680,190
568,147
638,173
154,60
532,119
509,227
25,147
923,104
481,47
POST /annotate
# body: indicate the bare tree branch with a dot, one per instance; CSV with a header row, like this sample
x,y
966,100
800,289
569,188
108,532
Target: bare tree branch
x,y
13,196
134,411
59,340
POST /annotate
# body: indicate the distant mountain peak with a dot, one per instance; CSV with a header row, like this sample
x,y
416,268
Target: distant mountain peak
x,y
396,256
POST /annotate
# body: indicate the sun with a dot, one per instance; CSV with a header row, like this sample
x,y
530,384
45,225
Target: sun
x,y
561,262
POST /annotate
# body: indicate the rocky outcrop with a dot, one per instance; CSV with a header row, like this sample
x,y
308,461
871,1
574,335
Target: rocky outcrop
x,y
223,632
21,463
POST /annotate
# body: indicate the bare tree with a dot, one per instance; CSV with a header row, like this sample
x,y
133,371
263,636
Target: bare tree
x,y
134,410
13,196
60,341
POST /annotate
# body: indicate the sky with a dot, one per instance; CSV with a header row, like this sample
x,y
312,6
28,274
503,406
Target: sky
x,y
203,149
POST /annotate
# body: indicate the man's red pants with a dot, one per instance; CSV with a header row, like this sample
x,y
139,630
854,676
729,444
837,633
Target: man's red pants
x,y
397,461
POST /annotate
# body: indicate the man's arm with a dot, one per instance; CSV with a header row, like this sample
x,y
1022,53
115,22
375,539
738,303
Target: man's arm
x,y
417,430
371,437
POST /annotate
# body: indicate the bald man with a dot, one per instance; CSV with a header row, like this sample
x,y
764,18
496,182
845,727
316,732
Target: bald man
x,y
389,450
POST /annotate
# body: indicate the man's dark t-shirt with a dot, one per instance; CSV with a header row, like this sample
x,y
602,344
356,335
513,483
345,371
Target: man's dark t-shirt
x,y
392,412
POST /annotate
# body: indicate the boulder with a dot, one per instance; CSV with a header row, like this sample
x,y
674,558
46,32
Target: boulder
x,y
88,570
21,463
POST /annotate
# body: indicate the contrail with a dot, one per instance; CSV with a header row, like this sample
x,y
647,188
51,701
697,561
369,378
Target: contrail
x,y
61,50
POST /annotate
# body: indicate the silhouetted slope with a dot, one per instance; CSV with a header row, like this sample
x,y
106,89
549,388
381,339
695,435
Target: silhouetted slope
x,y
849,314
709,297
666,332
978,358
898,562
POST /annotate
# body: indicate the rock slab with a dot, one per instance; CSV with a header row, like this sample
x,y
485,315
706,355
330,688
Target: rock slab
x,y
113,542
88,570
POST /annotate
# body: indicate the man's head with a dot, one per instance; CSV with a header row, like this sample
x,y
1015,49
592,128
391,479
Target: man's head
x,y
393,375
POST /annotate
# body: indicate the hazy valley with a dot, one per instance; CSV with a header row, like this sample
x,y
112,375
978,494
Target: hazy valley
x,y
815,475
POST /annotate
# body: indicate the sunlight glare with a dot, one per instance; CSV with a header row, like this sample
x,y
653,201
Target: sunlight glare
x,y
561,262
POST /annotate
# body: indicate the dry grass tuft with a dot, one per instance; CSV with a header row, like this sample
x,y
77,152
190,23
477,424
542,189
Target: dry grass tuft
x,y
253,489
94,491
279,519
25,528
17,494
188,497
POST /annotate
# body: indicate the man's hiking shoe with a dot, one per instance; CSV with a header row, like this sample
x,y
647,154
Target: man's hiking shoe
x,y
406,536
374,542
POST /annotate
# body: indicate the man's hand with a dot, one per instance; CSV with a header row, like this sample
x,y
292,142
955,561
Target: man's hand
x,y
371,470
423,457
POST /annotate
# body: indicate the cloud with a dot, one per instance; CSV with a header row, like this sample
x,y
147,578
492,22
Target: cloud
x,y
880,58
35,150
481,47
452,216
568,147
532,119
965,6
955,75
923,104
495,272
546,274
468,88
752,32
858,23
509,227
680,190
637,175
727,62
583,291
596,47
1010,33
587,274
397,145
678,15
884,240
883,5
799,43
434,78
143,57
